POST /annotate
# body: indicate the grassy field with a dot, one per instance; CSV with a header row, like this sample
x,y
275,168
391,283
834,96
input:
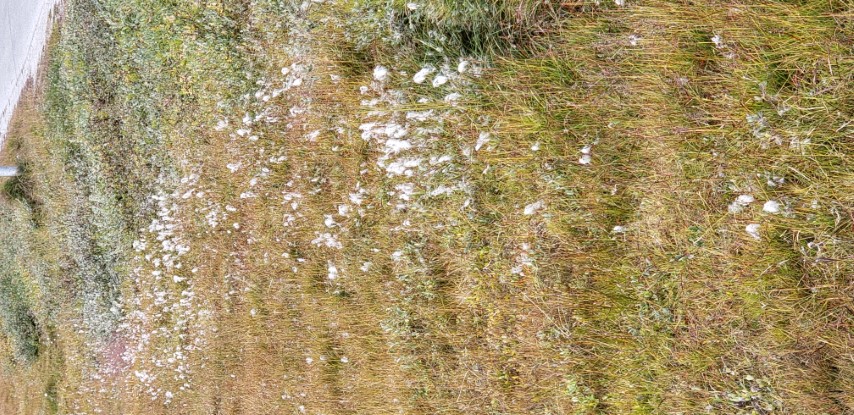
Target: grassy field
x,y
433,207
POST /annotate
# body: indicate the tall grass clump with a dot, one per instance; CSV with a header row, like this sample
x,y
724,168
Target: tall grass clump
x,y
21,188
19,323
18,320
451,28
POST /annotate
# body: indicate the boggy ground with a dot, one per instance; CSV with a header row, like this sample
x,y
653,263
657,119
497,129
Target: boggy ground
x,y
496,207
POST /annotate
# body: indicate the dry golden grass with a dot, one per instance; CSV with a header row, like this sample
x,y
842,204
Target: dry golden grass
x,y
470,304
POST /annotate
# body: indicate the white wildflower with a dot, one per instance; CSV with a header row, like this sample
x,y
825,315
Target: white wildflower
x,y
452,97
753,230
482,139
332,270
633,40
327,239
421,75
463,66
394,146
740,202
533,208
329,221
439,80
381,73
771,206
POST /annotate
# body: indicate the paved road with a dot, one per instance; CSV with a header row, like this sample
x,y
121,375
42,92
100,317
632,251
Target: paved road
x,y
23,31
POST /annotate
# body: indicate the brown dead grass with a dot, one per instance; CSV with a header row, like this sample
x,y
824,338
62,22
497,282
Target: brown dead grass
x,y
683,313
